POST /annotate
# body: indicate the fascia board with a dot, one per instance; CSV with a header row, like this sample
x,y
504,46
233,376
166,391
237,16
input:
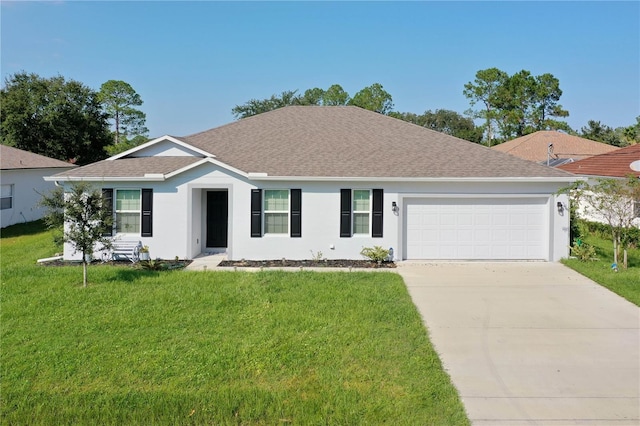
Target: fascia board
x,y
147,178
264,177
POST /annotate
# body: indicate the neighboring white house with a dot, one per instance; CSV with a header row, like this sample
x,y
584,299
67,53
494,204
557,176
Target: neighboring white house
x,y
615,164
22,180
297,180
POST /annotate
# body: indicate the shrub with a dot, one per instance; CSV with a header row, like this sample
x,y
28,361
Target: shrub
x,y
375,253
583,252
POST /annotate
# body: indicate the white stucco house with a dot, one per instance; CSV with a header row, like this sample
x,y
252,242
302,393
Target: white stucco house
x,y
304,179
21,181
611,165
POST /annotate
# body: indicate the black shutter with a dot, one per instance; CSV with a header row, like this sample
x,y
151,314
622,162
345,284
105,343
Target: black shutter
x,y
147,216
107,202
345,213
376,224
296,213
256,213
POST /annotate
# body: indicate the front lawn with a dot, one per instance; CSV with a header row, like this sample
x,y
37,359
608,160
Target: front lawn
x,y
625,282
179,347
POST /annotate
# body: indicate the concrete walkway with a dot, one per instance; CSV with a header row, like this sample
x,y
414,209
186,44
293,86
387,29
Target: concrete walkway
x,y
531,343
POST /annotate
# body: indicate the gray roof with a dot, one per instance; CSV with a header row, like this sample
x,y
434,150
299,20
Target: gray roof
x,y
130,167
336,141
14,159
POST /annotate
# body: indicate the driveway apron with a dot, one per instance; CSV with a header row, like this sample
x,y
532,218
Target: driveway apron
x,y
531,343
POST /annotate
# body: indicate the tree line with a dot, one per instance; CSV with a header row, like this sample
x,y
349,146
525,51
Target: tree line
x,y
68,120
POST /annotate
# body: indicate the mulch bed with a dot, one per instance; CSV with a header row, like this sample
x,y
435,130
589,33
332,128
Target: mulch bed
x,y
286,263
175,263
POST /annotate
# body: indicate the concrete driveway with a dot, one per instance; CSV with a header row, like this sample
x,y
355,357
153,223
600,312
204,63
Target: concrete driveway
x,y
531,343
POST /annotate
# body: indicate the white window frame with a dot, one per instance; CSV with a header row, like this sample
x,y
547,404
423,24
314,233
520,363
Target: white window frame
x,y
361,212
116,211
266,212
10,196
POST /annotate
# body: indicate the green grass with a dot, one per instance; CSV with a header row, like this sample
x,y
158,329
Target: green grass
x,y
625,282
179,347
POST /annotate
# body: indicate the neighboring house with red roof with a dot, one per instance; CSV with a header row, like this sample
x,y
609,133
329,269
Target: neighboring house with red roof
x,y
553,147
307,179
615,164
22,179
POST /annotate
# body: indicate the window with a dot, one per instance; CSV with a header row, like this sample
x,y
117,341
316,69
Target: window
x,y
132,209
361,211
279,211
276,211
6,199
128,211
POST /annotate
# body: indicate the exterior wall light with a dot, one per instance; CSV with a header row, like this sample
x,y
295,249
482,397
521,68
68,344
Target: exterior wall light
x,y
394,207
560,207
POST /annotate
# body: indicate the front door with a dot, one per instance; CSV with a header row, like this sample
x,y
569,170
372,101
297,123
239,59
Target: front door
x,y
217,218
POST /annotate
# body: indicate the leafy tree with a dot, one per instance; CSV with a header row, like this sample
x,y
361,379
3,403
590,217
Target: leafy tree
x,y
256,106
484,89
596,131
519,104
373,98
119,101
334,96
631,134
546,95
312,97
82,215
445,121
53,117
126,144
612,201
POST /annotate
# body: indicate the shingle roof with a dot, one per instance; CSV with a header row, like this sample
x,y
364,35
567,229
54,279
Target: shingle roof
x,y
348,141
13,158
130,167
534,146
315,141
612,164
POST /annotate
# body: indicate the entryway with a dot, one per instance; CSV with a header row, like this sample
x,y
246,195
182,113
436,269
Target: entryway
x,y
217,221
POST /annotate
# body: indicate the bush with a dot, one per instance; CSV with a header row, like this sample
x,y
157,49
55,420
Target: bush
x,y
630,236
583,252
375,253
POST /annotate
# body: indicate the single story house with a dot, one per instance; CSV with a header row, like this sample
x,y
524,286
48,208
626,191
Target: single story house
x,y
615,164
300,180
553,148
21,181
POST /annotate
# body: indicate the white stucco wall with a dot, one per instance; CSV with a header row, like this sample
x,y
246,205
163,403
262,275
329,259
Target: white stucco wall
x,y
179,214
27,183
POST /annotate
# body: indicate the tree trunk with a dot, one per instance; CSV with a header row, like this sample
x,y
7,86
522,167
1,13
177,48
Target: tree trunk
x,y
624,261
615,250
84,271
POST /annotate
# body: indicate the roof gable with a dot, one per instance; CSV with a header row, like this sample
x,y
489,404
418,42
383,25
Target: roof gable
x,y
535,146
164,146
612,164
13,159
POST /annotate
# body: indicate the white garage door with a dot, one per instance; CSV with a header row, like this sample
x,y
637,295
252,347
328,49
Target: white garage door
x,y
476,228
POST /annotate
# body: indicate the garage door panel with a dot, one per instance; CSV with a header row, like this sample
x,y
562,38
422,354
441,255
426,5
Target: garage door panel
x,y
490,229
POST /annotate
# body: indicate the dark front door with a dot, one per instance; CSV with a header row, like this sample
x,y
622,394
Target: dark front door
x,y
217,218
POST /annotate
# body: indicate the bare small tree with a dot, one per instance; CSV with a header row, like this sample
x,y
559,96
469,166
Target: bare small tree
x,y
612,201
83,217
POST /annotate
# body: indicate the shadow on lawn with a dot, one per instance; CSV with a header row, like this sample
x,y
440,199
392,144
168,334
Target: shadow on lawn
x,y
20,229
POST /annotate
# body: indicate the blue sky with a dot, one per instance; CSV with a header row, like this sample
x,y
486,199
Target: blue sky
x,y
192,62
